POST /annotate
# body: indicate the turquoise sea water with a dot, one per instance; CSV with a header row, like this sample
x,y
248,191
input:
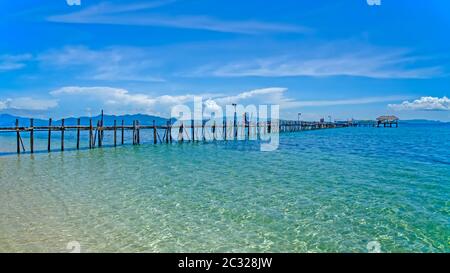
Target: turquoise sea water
x,y
321,191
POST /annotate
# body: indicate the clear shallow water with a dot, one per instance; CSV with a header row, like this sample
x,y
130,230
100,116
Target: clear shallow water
x,y
321,191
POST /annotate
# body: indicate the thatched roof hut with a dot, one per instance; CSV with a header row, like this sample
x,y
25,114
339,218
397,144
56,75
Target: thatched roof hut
x,y
387,119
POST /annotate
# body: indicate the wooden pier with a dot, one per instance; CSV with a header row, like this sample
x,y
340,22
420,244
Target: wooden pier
x,y
187,131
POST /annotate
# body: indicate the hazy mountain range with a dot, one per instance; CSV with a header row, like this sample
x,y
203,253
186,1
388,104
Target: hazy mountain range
x,y
7,120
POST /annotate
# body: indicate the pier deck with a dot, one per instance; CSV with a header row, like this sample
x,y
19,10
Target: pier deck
x,y
183,131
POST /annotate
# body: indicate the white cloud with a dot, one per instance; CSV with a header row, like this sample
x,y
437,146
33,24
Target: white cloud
x,y
110,64
13,62
27,103
121,101
331,60
137,15
424,103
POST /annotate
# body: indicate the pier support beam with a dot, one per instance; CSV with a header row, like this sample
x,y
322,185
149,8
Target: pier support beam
x,y
31,135
62,135
78,133
49,134
18,136
115,133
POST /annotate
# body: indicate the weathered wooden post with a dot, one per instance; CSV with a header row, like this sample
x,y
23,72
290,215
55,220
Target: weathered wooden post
x,y
203,131
49,134
99,132
90,133
180,132
134,132
62,134
193,130
18,136
244,125
224,129
257,129
168,132
78,133
138,132
123,129
115,133
154,133
31,135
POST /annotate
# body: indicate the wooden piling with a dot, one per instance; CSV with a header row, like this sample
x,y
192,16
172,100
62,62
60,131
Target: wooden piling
x,y
62,135
180,133
134,132
78,133
243,125
99,132
18,136
168,132
49,134
224,129
115,133
90,133
123,129
193,130
154,133
203,131
31,135
138,133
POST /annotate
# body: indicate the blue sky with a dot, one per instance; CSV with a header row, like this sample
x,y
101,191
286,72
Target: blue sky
x,y
331,57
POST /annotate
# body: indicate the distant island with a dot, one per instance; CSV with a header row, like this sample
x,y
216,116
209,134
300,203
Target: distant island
x,y
9,120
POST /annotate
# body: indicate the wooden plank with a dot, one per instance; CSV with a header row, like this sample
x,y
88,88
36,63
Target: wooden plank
x,y
49,134
78,133
31,135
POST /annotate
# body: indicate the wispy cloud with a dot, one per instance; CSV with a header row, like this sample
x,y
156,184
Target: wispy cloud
x,y
110,64
424,104
137,14
13,62
389,64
